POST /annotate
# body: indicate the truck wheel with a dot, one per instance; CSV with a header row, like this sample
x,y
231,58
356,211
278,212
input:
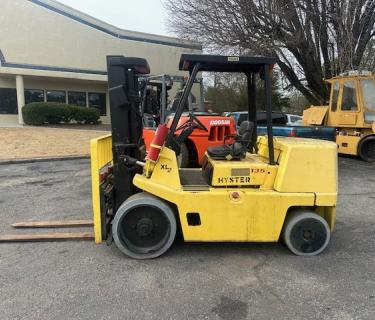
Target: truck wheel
x,y
366,149
183,157
305,233
144,227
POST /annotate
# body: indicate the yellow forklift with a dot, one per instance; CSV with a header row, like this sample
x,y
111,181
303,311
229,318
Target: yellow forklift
x,y
351,111
262,189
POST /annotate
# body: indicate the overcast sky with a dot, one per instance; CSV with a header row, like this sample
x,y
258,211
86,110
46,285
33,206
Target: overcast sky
x,y
138,15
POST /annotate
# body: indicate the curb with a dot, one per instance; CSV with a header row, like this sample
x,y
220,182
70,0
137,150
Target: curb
x,y
65,128
33,160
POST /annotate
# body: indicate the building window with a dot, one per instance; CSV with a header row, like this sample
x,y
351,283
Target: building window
x,y
77,98
32,95
8,101
56,96
98,100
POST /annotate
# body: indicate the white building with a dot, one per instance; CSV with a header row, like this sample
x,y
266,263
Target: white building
x,y
51,52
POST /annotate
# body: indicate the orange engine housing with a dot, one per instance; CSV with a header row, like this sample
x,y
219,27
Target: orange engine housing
x,y
219,128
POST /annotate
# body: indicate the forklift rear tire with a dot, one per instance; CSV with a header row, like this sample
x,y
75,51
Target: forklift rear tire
x,y
144,227
183,157
305,233
366,149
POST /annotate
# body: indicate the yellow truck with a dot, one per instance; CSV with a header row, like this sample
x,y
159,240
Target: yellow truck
x,y
351,111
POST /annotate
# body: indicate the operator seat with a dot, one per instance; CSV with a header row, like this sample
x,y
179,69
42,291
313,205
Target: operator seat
x,y
237,150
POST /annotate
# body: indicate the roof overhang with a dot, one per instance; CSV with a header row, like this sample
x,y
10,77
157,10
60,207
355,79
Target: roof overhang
x,y
89,21
11,71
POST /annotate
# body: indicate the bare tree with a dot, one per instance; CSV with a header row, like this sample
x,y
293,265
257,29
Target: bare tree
x,y
368,60
311,39
228,92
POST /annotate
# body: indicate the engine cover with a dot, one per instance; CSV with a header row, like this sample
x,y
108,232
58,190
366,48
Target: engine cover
x,y
252,171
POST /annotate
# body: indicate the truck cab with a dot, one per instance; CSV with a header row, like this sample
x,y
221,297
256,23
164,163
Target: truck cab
x,y
351,111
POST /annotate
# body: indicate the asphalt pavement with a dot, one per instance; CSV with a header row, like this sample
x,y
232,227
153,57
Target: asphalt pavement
x,y
81,280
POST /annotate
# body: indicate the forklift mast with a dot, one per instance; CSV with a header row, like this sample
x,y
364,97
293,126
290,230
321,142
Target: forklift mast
x,y
126,119
159,85
162,84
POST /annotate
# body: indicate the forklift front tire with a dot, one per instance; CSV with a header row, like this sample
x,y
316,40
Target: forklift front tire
x,y
305,233
144,227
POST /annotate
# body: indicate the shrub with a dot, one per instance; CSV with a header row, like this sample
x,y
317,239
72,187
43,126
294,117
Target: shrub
x,y
39,113
86,115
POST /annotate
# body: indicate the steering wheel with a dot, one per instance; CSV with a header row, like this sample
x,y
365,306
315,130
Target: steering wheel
x,y
187,129
200,125
192,123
